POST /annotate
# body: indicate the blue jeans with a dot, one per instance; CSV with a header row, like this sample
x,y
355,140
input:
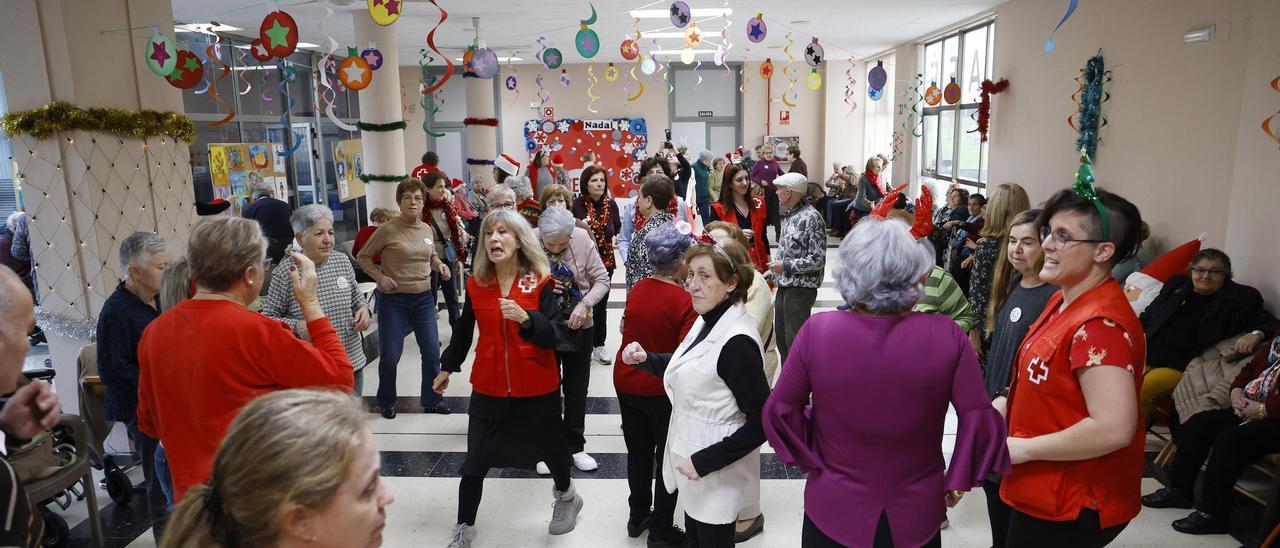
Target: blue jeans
x,y
397,314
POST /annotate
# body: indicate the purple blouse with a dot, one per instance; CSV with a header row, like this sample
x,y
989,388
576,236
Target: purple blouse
x,y
871,440
765,171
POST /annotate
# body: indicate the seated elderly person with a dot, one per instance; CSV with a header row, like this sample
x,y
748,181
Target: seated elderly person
x,y
342,303
1234,444
1194,311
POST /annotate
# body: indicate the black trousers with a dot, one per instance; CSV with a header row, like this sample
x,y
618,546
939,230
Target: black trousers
x,y
575,376
812,537
773,211
471,488
450,292
600,320
153,497
1083,532
644,429
706,535
1235,446
997,513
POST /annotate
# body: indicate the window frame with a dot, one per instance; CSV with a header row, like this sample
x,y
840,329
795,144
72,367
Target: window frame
x,y
957,109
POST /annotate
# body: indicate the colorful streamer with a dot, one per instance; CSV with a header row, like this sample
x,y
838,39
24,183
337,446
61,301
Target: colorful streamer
x,y
788,97
666,75
329,94
913,98
431,43
591,77
1266,122
226,71
849,92
288,76
543,94
635,26
695,72
1049,44
725,44
742,72
266,81
897,145
513,79
248,86
427,102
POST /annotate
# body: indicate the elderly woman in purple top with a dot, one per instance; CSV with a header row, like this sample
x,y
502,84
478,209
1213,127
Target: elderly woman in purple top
x,y
876,475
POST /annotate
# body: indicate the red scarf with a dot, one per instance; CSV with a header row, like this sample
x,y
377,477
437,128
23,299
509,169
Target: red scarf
x,y
638,220
875,180
597,221
451,217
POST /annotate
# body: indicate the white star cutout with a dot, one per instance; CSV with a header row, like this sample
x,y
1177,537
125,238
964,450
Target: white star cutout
x,y
261,50
629,148
563,127
530,125
355,73
625,126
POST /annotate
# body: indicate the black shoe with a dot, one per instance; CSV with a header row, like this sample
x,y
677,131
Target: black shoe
x,y
441,409
756,528
1200,523
1167,497
665,536
637,525
389,413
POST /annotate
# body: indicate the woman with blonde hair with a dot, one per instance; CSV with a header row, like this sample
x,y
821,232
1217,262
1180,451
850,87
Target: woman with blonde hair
x,y
1004,204
268,488
514,414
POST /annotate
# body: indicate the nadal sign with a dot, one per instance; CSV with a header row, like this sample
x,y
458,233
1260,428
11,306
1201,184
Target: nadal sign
x,y
598,125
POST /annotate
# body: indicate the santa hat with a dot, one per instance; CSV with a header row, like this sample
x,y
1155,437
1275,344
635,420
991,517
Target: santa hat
x,y
458,183
1175,261
507,164
212,208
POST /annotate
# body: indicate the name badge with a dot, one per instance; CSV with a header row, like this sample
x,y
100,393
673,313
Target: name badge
x,y
1015,314
343,283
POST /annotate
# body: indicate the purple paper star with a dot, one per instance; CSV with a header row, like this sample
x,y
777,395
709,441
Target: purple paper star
x,y
588,43
393,7
159,53
372,58
552,59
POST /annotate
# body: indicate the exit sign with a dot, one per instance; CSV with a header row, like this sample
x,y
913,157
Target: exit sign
x,y
705,113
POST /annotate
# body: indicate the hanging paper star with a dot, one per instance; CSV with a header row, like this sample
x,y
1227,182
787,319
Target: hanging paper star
x,y
355,73
372,57
675,10
191,65
278,35
393,7
766,71
694,37
756,32
552,59
588,43
810,53
260,50
159,53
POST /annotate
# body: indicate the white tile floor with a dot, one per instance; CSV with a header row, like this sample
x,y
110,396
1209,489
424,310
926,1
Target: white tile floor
x,y
515,512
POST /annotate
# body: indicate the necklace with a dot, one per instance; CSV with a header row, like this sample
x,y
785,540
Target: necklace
x,y
597,222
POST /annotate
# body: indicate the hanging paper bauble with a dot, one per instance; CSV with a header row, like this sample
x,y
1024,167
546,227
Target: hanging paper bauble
x,y
692,36
552,57
648,66
564,77
587,42
951,93
756,29
877,77
259,51
874,94
511,83
485,63
384,12
355,73
611,73
814,80
187,71
933,95
629,49
686,56
373,57
680,14
279,33
813,53
766,69
162,55
467,69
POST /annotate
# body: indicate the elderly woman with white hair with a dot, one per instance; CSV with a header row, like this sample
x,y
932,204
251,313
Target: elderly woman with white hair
x,y
527,203
581,282
336,286
876,474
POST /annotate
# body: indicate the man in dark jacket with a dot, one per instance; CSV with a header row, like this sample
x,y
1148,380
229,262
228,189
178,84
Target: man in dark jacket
x,y
1193,312
273,215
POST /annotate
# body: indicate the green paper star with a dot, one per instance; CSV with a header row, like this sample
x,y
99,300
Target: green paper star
x,y
279,35
191,65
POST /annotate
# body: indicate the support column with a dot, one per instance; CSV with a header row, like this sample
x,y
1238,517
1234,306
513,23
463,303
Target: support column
x,y
380,104
482,139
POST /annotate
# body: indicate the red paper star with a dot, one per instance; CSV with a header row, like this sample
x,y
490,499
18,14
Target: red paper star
x,y
158,53
767,71
694,37
393,7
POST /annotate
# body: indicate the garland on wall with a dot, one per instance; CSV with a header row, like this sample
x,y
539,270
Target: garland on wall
x,y
61,116
989,88
479,162
390,126
370,178
491,122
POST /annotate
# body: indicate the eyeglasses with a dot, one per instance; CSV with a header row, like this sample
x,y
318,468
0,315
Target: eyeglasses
x,y
503,205
266,263
1207,272
1061,238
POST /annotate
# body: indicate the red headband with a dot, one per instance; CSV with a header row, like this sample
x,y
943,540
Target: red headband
x,y
924,210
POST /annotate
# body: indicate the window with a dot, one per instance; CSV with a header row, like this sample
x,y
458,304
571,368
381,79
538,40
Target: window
x,y
8,190
952,148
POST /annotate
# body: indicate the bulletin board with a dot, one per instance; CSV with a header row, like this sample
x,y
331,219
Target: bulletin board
x,y
236,168
781,145
348,164
620,145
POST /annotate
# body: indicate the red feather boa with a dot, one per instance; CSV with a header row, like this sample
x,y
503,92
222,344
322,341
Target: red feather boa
x,y
989,88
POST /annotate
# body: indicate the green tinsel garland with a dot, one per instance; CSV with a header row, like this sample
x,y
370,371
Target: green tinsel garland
x,y
367,178
381,127
61,116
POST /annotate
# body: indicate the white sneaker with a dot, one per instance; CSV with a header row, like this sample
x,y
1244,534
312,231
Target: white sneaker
x,y
564,512
599,355
463,534
584,461
543,470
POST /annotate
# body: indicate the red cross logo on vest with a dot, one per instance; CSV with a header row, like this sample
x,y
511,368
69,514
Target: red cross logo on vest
x,y
1036,363
528,283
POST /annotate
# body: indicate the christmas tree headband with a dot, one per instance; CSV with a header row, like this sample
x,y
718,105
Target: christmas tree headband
x,y
1084,188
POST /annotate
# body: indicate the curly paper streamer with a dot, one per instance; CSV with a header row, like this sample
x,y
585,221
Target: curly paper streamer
x,y
788,97
431,43
695,72
329,94
897,145
1075,98
913,98
666,74
742,73
248,86
1266,122
226,71
591,77
266,81
635,26
1049,44
543,94
849,88
512,82
288,76
427,102
722,51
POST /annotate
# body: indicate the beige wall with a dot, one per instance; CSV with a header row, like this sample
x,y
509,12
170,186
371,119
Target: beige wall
x,y
807,117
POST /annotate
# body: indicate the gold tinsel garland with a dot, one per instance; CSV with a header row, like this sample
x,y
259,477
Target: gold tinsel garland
x,y
61,116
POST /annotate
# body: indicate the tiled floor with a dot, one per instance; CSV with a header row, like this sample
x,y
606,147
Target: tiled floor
x,y
421,453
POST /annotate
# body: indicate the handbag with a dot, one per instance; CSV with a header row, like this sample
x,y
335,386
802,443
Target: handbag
x,y
450,254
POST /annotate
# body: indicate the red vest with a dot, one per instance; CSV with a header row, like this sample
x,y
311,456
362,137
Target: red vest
x,y
506,365
759,252
1045,397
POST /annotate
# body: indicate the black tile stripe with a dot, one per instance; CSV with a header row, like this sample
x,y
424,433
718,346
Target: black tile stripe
x,y
439,464
596,405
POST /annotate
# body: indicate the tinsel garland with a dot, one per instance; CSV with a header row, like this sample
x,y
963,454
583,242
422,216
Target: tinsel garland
x,y
390,126
479,162
989,88
62,326
61,116
1091,99
367,178
491,122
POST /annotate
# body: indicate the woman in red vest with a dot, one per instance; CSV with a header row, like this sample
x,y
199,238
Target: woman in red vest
x,y
515,380
738,206
1075,428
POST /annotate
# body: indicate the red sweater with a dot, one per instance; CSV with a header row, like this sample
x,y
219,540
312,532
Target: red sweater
x,y
658,329
362,237
203,360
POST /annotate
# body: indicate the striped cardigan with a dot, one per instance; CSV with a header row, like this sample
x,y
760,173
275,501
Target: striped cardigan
x,y
942,295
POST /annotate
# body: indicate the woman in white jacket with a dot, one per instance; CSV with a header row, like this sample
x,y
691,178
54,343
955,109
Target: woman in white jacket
x,y
717,386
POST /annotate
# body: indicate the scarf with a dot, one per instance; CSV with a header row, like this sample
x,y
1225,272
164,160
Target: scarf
x,y
450,217
875,180
638,220
1258,388
597,220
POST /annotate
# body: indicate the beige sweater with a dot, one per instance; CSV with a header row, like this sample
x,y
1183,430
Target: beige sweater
x,y
408,255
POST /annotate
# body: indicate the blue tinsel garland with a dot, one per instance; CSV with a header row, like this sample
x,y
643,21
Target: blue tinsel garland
x,y
1091,98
